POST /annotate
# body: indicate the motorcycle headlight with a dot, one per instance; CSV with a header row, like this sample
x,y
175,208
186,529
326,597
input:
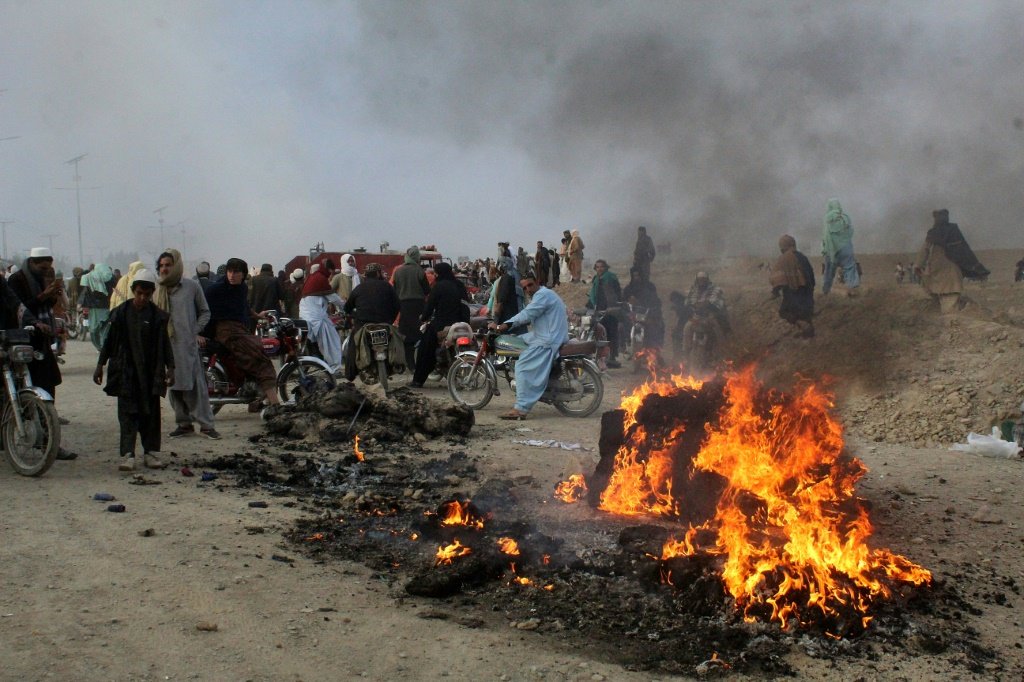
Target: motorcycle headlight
x,y
24,354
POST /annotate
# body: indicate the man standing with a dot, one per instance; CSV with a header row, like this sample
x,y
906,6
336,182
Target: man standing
x,y
317,294
605,294
183,300
837,248
229,319
576,257
542,261
411,287
265,292
29,285
643,252
141,369
203,275
97,285
549,329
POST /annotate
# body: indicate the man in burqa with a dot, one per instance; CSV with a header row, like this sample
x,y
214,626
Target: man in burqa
x,y
793,277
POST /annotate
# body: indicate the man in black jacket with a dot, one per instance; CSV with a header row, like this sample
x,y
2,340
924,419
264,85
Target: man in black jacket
x,y
374,301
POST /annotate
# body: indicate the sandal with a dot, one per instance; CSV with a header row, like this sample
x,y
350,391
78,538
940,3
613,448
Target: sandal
x,y
513,415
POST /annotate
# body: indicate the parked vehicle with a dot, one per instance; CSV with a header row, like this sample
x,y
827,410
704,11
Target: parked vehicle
x,y
574,386
29,425
380,340
297,376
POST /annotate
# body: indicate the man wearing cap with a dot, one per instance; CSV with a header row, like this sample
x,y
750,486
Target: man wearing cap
x,y
203,275
229,325
317,294
141,368
411,286
296,280
30,286
183,300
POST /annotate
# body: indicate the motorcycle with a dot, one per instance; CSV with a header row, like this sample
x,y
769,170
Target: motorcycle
x,y
456,339
29,425
80,329
298,375
704,342
574,385
380,338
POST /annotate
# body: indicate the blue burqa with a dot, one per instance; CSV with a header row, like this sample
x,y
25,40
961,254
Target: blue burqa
x,y
549,329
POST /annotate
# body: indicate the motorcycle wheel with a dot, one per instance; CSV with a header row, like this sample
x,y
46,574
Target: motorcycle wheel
x,y
468,385
214,378
34,453
312,379
591,391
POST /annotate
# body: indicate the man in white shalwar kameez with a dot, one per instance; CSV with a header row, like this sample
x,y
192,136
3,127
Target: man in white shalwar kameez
x,y
549,329
316,296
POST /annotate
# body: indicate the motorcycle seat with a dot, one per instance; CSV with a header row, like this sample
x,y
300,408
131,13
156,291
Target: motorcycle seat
x,y
479,322
214,347
301,325
577,348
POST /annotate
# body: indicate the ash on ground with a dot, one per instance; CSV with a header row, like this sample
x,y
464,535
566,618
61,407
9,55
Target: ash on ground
x,y
581,579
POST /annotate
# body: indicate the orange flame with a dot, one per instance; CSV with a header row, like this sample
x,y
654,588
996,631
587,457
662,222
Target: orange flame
x,y
315,537
792,535
448,553
571,490
459,514
355,449
509,546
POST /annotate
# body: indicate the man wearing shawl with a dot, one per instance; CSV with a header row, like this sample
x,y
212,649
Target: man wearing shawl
x,y
141,368
643,252
542,262
793,277
411,287
183,300
97,285
445,306
504,297
265,291
372,302
605,293
549,329
944,260
575,251
347,278
837,248
317,294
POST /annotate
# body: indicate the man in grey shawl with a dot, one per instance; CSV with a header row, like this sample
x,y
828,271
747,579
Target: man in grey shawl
x,y
184,301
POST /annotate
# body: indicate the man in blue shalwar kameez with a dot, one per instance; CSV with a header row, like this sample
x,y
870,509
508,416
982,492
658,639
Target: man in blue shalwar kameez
x,y
549,329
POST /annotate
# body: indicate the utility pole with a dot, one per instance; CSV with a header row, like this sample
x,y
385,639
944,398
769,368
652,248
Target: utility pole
x,y
78,201
160,212
50,237
5,223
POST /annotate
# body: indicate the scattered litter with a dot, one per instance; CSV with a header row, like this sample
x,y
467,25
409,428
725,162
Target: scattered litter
x,y
139,479
148,533
185,471
116,508
990,446
103,497
204,626
208,476
258,504
552,444
282,558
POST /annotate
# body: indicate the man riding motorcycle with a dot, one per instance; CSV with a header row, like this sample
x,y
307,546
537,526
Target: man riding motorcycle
x,y
229,326
705,297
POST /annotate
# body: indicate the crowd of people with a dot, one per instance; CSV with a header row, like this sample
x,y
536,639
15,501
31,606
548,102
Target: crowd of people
x,y
149,325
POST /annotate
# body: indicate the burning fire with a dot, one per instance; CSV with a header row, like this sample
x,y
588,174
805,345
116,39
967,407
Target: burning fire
x,y
791,534
459,514
508,546
355,449
571,490
445,555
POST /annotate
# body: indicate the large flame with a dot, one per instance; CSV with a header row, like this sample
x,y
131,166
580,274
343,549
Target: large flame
x,y
571,490
459,514
791,533
448,553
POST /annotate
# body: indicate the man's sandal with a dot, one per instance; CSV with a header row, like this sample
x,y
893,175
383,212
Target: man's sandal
x,y
513,415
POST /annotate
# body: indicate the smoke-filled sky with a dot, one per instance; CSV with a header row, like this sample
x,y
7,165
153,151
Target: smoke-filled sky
x,y
265,127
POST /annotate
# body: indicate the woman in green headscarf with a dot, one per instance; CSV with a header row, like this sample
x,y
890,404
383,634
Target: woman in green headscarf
x,y
96,287
837,248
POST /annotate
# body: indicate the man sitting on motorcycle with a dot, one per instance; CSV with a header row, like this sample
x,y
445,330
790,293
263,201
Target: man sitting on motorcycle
x,y
641,292
606,294
549,329
703,298
373,301
229,325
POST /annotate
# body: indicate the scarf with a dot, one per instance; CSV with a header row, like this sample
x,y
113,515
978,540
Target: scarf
x,y
35,285
122,292
787,271
97,278
350,271
162,297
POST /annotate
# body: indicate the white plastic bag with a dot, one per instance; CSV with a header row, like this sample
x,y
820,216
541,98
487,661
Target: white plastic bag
x,y
990,446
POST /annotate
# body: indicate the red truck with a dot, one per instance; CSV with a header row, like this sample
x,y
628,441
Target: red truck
x,y
389,260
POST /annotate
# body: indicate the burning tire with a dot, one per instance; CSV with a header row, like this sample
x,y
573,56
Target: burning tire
x,y
584,390
32,452
469,385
